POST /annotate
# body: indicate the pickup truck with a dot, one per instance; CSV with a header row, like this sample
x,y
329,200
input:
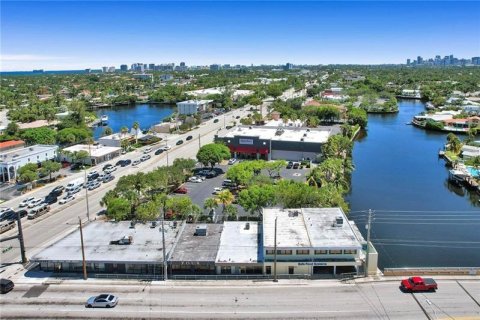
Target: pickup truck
x,y
416,284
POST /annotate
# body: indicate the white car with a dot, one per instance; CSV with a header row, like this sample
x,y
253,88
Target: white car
x,y
136,162
91,174
232,161
102,301
217,190
34,203
66,199
167,147
94,186
110,169
25,202
195,179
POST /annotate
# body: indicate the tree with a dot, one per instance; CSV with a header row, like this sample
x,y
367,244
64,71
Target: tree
x,y
136,126
118,209
28,173
224,197
49,167
64,136
292,194
41,135
231,211
185,165
210,204
453,143
124,130
357,116
257,197
181,207
273,167
12,129
107,131
81,156
147,211
332,171
337,146
213,153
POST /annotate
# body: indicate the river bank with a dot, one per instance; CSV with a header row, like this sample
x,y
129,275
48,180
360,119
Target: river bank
x,y
420,219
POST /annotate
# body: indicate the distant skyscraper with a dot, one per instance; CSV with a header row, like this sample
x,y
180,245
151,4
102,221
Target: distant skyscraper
x,y
124,68
288,66
151,66
104,69
214,67
111,69
408,62
476,61
88,70
419,60
182,64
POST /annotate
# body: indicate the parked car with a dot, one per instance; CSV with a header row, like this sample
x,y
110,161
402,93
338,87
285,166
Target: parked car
x,y
50,200
91,174
166,148
215,121
189,138
94,186
296,165
120,163
108,178
102,301
8,214
232,161
35,202
38,211
75,190
110,170
6,286
57,190
237,117
289,165
416,284
136,162
145,157
66,199
26,202
147,150
127,162
76,166
179,142
195,179
182,190
211,174
107,166
158,151
217,190
23,213
93,177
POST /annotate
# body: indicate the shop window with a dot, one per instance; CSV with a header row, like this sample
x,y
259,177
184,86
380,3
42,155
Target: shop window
x,y
284,252
349,251
268,270
270,252
303,251
335,251
320,251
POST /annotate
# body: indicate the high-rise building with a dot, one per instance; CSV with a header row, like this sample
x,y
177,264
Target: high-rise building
x,y
104,69
408,62
476,61
182,64
111,69
124,68
419,60
289,66
214,67
151,66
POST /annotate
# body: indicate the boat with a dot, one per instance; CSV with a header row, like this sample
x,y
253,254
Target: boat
x,y
104,118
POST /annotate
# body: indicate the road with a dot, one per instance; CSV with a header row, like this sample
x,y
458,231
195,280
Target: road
x,y
41,231
243,299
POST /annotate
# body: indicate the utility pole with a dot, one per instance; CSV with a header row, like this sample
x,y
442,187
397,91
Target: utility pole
x,y
199,144
20,238
85,181
165,266
84,264
275,253
369,226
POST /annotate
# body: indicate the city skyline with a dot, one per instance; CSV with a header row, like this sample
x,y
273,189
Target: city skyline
x,y
47,35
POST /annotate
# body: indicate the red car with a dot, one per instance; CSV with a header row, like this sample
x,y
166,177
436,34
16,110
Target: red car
x,y
182,190
415,284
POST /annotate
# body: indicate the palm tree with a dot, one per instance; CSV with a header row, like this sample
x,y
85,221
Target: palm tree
x,y
231,211
136,125
124,130
210,204
224,197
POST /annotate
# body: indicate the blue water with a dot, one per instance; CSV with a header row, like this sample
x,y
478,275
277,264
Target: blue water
x,y
147,114
420,219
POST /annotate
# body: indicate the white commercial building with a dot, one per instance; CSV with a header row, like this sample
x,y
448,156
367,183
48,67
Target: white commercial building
x,y
115,140
11,160
193,106
311,241
97,153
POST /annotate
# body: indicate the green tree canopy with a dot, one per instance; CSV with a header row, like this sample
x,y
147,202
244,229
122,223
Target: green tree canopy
x,y
213,153
41,135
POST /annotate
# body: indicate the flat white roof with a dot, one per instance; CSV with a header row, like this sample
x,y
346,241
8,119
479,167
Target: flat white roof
x,y
289,133
238,244
146,246
199,102
308,228
95,150
16,154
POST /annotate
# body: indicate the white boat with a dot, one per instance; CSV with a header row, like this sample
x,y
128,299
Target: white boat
x,y
104,118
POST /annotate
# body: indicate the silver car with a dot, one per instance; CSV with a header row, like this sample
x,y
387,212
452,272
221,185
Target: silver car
x,y
102,301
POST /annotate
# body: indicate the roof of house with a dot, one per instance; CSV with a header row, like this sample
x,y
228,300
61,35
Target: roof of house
x,y
11,143
94,150
309,228
192,247
146,246
238,243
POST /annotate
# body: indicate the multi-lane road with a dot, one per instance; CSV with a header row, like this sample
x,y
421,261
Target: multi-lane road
x,y
322,299
41,231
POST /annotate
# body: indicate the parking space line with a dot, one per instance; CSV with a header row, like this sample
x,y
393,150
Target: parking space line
x,y
421,307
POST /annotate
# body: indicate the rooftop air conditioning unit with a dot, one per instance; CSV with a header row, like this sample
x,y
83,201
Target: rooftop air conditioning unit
x,y
339,221
247,226
201,230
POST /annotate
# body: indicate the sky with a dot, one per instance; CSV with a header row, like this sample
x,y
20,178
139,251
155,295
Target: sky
x,y
71,35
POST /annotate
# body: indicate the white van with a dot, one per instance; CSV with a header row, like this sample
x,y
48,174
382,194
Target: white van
x,y
147,150
74,184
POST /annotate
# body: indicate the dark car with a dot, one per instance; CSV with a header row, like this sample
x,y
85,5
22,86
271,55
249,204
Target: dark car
x,y
120,163
159,151
50,200
211,174
23,213
237,117
189,138
296,165
6,285
290,165
8,215
107,166
127,162
76,166
93,177
57,190
215,121
179,142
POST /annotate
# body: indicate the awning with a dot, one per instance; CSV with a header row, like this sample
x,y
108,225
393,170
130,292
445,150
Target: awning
x,y
244,149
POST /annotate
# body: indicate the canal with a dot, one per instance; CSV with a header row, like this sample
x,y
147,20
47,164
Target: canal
x,y
147,114
419,219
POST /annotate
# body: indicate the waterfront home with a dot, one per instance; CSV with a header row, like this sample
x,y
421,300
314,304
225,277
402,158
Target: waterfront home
x,y
469,152
193,106
462,124
411,94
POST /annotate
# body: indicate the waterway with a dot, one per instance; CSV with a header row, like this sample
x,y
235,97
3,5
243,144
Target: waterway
x,y
147,114
419,219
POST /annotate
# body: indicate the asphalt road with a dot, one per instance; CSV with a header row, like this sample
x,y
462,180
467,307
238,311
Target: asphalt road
x,y
62,218
244,299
